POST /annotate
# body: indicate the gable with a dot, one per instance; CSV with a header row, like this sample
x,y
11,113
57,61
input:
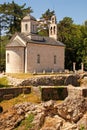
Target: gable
x,y
16,41
18,38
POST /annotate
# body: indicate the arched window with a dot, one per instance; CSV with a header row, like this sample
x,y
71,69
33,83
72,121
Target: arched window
x,y
26,27
54,59
51,30
38,59
54,29
53,20
7,57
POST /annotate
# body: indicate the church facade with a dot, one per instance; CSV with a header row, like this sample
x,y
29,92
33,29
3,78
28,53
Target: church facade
x,y
28,52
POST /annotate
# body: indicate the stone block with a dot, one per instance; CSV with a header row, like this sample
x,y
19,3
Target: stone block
x,y
54,93
8,96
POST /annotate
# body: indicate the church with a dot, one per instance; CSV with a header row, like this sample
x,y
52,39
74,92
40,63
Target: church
x,y
28,52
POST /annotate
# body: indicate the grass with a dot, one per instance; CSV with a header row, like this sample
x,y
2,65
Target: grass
x,y
83,82
82,127
27,123
3,82
20,75
59,86
30,75
32,97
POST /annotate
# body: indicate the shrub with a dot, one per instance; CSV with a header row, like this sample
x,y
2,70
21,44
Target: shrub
x,y
3,82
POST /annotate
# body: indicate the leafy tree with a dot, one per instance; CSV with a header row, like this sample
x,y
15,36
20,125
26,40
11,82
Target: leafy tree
x,y
44,22
10,22
47,15
11,15
82,50
82,53
70,35
3,42
85,23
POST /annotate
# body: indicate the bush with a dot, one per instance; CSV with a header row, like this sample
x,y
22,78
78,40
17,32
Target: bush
x,y
3,82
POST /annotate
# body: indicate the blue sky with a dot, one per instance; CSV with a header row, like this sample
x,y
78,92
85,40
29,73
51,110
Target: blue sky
x,y
76,9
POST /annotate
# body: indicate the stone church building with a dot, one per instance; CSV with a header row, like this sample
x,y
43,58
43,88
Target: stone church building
x,y
29,52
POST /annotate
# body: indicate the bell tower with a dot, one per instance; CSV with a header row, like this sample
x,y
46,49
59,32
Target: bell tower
x,y
53,28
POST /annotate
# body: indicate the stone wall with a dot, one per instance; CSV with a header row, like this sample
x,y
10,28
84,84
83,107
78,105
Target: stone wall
x,y
9,93
51,81
47,92
60,93
53,93
46,58
77,91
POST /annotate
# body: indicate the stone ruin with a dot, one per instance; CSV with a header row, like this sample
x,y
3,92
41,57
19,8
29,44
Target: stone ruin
x,y
70,114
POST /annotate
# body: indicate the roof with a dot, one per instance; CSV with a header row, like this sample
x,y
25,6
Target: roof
x,y
28,18
15,43
42,40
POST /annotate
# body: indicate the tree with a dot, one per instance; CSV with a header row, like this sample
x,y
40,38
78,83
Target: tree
x,y
11,15
47,15
44,22
82,49
82,53
10,22
85,23
70,35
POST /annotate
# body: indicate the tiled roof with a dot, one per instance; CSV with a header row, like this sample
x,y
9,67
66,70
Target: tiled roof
x,y
43,40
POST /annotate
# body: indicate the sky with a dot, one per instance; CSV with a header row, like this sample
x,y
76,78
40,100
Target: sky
x,y
75,9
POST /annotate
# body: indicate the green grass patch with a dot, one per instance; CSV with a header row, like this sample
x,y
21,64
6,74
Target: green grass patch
x,y
3,82
82,127
27,123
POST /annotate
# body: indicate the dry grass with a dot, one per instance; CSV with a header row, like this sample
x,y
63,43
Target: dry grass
x,y
20,75
30,75
32,97
83,82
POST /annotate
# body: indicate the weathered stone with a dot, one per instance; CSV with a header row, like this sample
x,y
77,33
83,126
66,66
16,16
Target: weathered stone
x,y
73,108
83,122
73,80
52,123
69,126
68,115
44,80
38,121
9,93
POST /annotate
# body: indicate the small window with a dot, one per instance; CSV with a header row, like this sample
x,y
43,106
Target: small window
x,y
55,59
54,30
26,27
38,59
53,20
51,30
7,57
